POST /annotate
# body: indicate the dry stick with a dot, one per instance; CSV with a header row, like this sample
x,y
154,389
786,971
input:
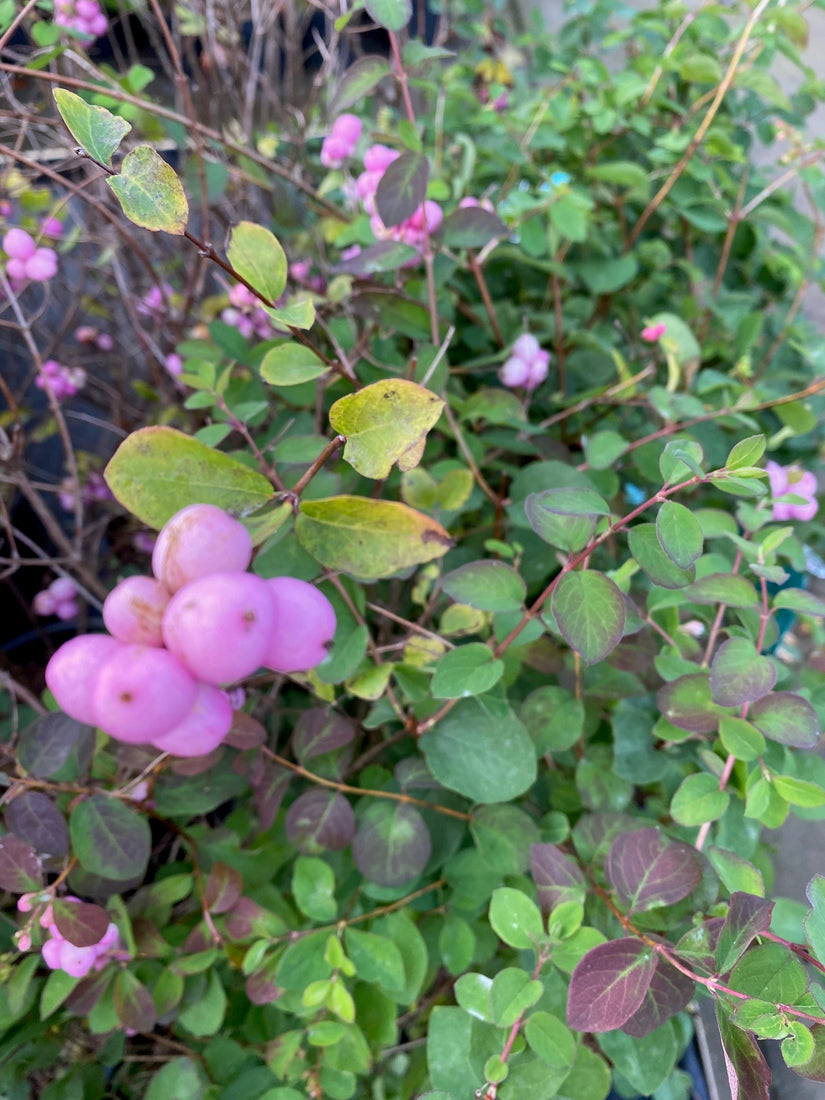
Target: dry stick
x,y
471,462
15,23
22,693
327,452
481,283
236,147
345,788
704,125
668,50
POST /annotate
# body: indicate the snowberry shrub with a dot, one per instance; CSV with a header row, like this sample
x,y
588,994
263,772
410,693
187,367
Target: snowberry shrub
x,y
434,759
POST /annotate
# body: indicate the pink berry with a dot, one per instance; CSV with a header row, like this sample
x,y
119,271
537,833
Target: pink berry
x,y
220,626
143,694
133,611
51,227
72,673
197,541
63,588
515,372
203,728
347,128
44,603
16,270
19,245
42,266
67,610
304,626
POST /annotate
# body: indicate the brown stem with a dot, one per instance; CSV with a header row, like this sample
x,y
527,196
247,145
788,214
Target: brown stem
x,y
328,452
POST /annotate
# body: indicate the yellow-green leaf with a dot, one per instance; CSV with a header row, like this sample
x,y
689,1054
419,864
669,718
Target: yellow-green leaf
x,y
157,471
384,423
290,364
95,129
150,192
368,538
256,254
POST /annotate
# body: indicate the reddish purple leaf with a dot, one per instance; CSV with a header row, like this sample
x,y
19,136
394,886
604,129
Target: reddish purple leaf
x,y
47,744
749,1077
739,675
402,188
248,921
593,834
87,993
688,704
471,227
748,915
648,869
392,843
609,985
33,817
669,992
698,946
814,1070
318,733
318,820
269,782
557,876
223,888
260,986
133,1003
246,732
20,870
787,718
80,922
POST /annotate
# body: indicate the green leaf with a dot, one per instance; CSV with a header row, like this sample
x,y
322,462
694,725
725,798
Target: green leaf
x,y
290,365
486,585
799,792
646,1062
736,873
700,68
602,449
680,459
157,471
698,800
607,275
551,1039
466,670
726,588
739,675
679,533
484,756
95,129
359,80
815,919
313,887
109,839
392,15
786,717
257,255
797,599
402,188
297,313
204,1016
512,993
746,452
515,918
624,173
368,538
471,227
150,192
472,991
376,959
646,547
385,423
740,738
179,1079
590,612
57,988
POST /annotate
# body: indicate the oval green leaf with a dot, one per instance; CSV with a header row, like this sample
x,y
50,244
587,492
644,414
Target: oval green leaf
x,y
466,670
698,800
109,839
385,423
95,129
256,254
392,15
679,533
368,538
290,365
590,612
646,547
486,585
150,192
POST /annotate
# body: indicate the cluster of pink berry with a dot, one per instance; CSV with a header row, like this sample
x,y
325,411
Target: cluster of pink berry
x,y
177,638
301,272
527,364
27,262
246,315
58,953
94,338
60,599
61,381
425,220
340,143
83,16
155,301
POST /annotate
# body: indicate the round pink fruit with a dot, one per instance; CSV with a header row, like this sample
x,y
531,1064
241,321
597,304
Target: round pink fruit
x,y
203,728
197,541
73,671
304,626
133,610
143,694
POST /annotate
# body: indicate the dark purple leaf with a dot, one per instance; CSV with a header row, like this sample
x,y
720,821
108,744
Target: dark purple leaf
x,y
319,819
749,1077
688,704
748,915
814,1070
648,869
391,844
133,1003
471,227
669,992
80,922
246,732
739,675
47,744
98,886
109,839
269,782
318,733
609,984
20,870
412,773
33,817
402,188
383,256
593,834
787,718
223,888
260,986
248,920
87,993
698,946
557,876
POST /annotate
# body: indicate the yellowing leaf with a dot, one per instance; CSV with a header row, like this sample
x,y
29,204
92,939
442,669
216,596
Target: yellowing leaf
x,y
256,254
95,129
384,423
150,192
368,538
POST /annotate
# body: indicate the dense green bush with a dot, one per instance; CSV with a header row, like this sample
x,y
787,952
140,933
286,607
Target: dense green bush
x,y
499,841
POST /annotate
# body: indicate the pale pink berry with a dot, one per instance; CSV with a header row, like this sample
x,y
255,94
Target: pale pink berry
x,y
16,270
51,227
197,541
203,728
304,626
143,694
42,266
515,372
133,610
72,673
19,245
